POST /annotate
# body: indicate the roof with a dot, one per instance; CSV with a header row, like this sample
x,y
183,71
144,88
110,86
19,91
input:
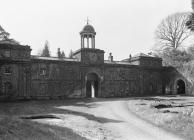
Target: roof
x,y
53,58
117,62
9,41
141,54
75,60
88,29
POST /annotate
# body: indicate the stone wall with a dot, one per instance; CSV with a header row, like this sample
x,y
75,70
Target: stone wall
x,y
15,52
170,78
122,81
90,56
36,77
14,71
68,80
61,79
15,83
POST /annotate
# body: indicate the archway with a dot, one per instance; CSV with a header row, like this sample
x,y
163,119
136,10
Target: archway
x,y
180,85
92,85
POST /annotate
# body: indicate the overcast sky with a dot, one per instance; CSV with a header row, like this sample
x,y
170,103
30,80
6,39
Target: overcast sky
x,y
123,26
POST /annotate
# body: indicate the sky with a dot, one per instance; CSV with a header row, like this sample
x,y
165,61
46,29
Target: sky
x,y
123,27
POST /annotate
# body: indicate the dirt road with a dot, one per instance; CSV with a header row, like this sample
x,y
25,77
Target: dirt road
x,y
131,127
106,120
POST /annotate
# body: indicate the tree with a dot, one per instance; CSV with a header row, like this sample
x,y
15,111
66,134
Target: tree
x,y
58,53
46,52
173,57
71,54
190,51
190,22
4,37
63,54
3,34
172,31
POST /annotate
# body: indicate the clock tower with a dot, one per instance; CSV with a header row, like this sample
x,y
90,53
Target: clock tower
x,y
88,54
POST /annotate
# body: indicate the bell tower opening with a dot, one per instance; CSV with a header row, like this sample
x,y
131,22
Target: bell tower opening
x,y
92,85
88,54
88,36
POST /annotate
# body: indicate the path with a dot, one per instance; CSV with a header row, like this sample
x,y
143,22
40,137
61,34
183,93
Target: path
x,y
109,120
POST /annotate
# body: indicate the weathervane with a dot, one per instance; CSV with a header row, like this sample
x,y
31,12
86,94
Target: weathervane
x,y
87,20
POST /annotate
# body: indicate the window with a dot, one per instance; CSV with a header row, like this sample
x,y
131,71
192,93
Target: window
x,y
7,70
43,71
151,87
7,88
7,53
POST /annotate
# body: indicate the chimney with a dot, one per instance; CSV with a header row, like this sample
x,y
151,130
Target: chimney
x,y
110,58
193,5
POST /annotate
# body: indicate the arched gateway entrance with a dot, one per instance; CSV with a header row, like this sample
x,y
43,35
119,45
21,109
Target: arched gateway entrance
x,y
180,85
92,85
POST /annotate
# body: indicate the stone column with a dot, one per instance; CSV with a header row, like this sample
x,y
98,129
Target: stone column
x,y
81,41
88,41
94,42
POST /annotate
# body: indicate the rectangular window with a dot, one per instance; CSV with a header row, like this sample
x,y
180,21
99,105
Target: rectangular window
x,y
7,53
43,71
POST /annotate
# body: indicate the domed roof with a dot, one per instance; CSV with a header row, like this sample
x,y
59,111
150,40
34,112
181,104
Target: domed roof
x,y
88,29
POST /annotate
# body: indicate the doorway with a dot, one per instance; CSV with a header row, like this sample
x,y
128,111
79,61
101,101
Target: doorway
x,y
180,87
92,85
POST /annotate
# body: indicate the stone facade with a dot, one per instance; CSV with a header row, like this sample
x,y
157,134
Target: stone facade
x,y
86,75
15,74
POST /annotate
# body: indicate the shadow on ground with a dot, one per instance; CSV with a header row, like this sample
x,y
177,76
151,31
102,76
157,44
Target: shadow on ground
x,y
16,129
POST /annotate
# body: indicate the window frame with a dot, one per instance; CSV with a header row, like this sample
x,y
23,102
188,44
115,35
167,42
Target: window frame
x,y
43,71
7,53
8,70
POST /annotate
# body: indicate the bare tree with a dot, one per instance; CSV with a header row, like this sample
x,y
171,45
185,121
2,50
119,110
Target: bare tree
x,y
172,31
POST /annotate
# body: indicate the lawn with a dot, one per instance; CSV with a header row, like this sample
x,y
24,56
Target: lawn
x,y
14,125
174,114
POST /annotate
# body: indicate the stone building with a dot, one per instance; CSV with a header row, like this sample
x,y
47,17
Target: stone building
x,y
87,75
